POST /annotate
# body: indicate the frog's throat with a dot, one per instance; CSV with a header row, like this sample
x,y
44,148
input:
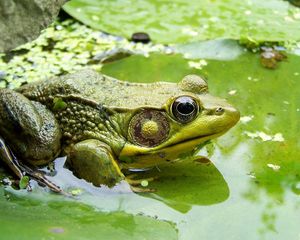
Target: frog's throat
x,y
170,151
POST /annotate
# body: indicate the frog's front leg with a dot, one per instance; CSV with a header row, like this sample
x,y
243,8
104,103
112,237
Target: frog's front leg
x,y
95,162
31,132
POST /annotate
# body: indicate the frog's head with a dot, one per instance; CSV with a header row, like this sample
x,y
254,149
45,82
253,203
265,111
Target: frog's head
x,y
189,117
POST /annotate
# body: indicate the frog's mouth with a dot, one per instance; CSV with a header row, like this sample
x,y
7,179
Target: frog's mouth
x,y
140,157
194,141
190,143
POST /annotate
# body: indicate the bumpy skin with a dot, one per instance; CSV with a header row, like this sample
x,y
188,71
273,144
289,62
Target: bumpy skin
x,y
105,125
31,129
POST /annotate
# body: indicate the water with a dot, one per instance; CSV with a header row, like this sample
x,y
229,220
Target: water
x,y
249,190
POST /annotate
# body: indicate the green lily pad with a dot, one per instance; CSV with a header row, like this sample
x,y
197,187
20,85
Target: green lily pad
x,y
190,21
160,67
28,218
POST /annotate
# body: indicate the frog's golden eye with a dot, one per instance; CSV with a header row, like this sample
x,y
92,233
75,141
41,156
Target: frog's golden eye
x,y
184,109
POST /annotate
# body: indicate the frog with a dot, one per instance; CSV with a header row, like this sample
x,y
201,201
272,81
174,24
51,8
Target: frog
x,y
107,127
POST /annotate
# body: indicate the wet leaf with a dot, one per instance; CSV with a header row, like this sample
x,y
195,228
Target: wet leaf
x,y
168,68
44,219
269,99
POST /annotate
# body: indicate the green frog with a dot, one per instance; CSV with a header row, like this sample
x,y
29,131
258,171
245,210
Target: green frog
x,y
106,126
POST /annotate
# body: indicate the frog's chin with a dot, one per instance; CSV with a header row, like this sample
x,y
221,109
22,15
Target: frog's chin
x,y
138,157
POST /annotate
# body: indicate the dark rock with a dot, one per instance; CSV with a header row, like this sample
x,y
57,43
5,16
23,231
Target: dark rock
x,y
140,37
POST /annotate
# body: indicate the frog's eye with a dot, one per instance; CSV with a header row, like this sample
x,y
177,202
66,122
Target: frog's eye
x,y
184,109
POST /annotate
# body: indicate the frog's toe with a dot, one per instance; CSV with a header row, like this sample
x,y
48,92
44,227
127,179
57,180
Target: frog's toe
x,y
21,170
140,185
40,178
142,190
142,182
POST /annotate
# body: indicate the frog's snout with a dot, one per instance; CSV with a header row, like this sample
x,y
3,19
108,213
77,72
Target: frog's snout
x,y
225,116
219,111
230,113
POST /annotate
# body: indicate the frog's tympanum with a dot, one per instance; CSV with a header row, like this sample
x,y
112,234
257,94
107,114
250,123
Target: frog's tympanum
x,y
106,126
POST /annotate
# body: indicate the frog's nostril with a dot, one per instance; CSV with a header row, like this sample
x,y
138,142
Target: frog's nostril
x,y
219,111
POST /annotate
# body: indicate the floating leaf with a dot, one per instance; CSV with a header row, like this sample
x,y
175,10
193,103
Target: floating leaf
x,y
36,219
190,21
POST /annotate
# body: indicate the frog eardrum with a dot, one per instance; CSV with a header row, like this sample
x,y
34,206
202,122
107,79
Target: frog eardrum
x,y
149,128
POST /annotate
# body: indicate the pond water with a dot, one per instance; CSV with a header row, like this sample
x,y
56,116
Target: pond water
x,y
249,189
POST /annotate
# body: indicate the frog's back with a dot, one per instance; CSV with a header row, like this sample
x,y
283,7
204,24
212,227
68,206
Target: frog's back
x,y
90,85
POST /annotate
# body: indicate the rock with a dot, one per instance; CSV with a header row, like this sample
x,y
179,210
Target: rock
x,y
22,20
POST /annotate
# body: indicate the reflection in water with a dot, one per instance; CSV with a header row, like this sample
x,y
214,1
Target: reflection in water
x,y
180,185
193,181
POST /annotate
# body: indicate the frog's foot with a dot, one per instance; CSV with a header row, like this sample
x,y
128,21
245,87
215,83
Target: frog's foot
x,y
41,179
21,170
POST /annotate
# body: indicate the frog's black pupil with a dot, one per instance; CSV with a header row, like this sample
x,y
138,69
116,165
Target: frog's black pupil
x,y
185,108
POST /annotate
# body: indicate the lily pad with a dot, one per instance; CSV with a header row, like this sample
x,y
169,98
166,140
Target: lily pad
x,y
190,21
61,219
160,67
